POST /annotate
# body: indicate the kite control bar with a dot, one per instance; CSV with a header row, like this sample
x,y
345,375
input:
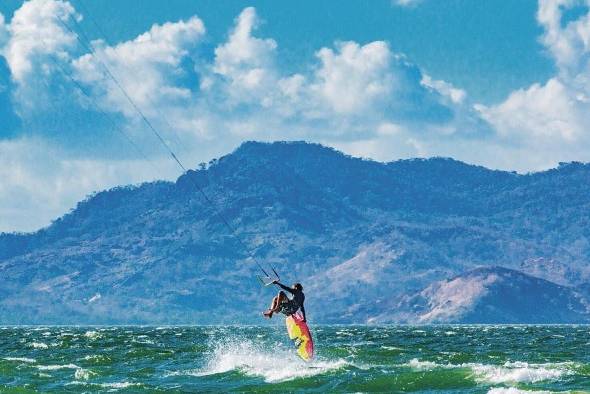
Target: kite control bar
x,y
268,280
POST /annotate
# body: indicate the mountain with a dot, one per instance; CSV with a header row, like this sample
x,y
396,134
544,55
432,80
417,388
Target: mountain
x,y
362,236
494,295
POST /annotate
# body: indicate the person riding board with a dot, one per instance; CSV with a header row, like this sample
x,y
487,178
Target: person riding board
x,y
283,304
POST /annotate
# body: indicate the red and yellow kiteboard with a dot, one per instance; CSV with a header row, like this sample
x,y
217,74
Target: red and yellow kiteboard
x,y
300,335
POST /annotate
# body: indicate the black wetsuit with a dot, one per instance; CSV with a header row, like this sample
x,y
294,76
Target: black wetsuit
x,y
290,306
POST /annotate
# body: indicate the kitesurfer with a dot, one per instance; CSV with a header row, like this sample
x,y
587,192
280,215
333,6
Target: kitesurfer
x,y
285,305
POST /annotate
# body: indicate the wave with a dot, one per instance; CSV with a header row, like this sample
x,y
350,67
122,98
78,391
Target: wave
x,y
513,390
521,372
509,372
275,364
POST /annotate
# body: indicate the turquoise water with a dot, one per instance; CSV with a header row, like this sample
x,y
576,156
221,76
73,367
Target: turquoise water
x,y
434,359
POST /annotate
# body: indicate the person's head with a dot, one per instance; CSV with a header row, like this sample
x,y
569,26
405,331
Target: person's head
x,y
298,287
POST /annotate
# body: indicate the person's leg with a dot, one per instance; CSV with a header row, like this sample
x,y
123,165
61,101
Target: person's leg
x,y
276,302
273,305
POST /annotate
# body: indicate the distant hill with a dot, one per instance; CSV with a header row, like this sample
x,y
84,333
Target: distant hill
x,y
362,236
494,295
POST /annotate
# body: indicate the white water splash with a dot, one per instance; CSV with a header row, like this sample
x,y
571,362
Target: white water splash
x,y
273,365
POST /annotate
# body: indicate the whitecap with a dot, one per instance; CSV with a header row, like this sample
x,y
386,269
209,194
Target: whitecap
x,y
38,345
423,365
144,342
21,359
83,374
57,366
95,357
119,385
509,372
391,347
513,390
345,333
92,334
520,372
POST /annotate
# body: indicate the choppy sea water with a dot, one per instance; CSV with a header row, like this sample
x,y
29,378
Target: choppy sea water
x,y
434,359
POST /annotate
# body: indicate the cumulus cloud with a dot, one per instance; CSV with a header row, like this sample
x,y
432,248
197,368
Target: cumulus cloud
x,y
541,111
353,78
568,44
551,118
35,32
35,41
247,62
350,89
146,67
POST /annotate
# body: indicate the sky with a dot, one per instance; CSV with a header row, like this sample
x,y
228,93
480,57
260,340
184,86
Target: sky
x,y
86,85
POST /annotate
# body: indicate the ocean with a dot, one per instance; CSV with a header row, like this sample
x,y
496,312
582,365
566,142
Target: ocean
x,y
431,359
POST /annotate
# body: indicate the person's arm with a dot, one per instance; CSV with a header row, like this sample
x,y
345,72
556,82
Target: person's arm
x,y
282,286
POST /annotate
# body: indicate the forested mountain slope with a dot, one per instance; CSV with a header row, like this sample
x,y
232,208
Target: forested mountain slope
x,y
363,237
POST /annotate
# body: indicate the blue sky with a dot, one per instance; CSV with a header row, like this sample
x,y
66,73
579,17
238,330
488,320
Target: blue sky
x,y
503,84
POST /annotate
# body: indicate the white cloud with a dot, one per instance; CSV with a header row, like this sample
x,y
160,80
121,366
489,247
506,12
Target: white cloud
x,y
353,78
541,111
41,182
568,44
35,32
446,89
35,41
146,67
247,62
550,119
352,89
4,35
